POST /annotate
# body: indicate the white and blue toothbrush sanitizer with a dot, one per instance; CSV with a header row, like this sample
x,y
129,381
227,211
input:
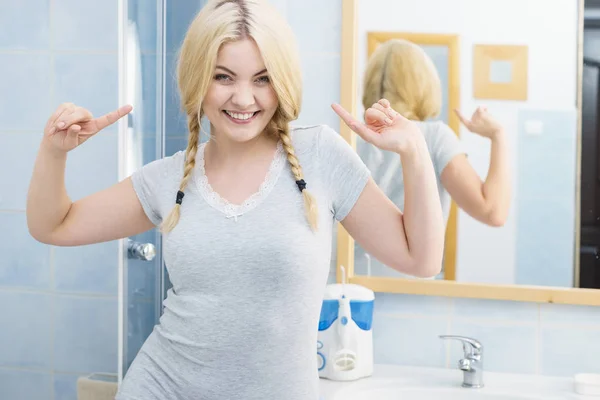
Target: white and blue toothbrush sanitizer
x,y
345,339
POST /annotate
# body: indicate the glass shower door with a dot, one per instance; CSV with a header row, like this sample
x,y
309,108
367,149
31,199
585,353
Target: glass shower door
x,y
141,140
151,32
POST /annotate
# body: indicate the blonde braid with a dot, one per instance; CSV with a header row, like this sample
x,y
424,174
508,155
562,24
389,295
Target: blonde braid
x,y
310,203
190,162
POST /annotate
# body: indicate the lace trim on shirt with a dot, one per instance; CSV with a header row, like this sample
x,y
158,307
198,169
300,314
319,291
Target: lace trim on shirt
x,y
235,210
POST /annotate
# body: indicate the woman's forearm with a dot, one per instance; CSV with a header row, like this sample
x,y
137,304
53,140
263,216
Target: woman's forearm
x,y
496,188
423,218
47,199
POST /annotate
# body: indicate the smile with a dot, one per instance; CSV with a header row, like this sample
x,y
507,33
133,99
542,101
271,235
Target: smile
x,y
241,118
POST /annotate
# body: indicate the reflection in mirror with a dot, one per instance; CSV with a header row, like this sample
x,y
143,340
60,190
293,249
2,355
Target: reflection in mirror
x,y
511,200
413,72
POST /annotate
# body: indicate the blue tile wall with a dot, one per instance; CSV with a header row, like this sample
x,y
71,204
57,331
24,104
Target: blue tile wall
x,y
87,25
59,305
174,144
23,29
566,350
30,385
85,334
25,341
179,15
25,86
178,18
569,339
175,118
86,269
409,341
88,80
17,153
65,386
549,339
98,159
25,262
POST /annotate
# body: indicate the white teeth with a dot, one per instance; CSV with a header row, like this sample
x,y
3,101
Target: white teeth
x,y
240,116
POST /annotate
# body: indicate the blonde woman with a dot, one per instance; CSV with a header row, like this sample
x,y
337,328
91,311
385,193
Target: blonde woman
x,y
247,218
404,74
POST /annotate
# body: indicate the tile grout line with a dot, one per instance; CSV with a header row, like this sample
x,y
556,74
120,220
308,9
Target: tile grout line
x,y
52,252
61,52
495,322
538,333
72,295
43,370
485,321
52,316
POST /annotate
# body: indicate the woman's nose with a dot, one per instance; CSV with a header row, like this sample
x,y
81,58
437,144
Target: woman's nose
x,y
243,96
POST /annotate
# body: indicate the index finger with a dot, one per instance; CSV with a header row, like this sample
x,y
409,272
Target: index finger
x,y
112,117
462,118
353,124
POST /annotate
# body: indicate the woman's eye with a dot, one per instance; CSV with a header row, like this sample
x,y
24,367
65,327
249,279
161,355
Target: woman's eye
x,y
222,77
263,79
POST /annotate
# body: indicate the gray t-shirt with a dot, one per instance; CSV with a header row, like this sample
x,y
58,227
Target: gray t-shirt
x,y
386,169
240,321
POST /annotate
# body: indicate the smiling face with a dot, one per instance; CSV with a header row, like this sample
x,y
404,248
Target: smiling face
x,y
240,101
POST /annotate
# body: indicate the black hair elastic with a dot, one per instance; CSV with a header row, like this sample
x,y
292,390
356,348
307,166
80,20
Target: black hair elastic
x,y
301,184
179,199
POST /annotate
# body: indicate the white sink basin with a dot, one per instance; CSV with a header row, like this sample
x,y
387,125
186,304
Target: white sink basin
x,y
402,393
408,383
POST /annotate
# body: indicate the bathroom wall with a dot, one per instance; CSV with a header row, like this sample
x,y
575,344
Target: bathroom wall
x,y
58,305
529,338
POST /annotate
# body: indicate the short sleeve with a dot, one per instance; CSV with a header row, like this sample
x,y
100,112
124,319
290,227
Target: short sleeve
x,y
154,181
447,146
344,172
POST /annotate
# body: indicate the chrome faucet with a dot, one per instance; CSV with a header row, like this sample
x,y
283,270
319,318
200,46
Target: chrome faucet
x,y
472,363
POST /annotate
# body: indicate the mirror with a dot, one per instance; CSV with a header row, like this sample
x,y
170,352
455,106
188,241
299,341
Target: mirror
x,y
530,77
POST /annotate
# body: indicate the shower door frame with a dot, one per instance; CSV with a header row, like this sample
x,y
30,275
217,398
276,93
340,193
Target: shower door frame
x,y
123,95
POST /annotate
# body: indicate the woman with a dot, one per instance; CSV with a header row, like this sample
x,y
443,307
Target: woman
x,y
403,73
247,217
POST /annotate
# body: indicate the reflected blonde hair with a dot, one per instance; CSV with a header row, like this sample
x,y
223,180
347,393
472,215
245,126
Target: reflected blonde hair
x,y
224,21
403,73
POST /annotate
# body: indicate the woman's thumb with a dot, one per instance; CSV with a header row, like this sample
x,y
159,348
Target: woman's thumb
x,y
73,131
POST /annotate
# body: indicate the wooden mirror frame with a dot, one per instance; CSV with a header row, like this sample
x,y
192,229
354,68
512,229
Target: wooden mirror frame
x,y
447,288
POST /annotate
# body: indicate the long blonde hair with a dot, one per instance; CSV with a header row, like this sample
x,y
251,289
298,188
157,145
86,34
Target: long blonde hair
x,y
403,73
224,21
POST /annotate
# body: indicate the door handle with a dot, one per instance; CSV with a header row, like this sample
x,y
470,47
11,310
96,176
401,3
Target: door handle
x,y
140,251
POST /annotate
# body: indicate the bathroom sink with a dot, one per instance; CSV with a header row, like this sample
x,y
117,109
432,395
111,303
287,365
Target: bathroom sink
x,y
407,393
390,382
